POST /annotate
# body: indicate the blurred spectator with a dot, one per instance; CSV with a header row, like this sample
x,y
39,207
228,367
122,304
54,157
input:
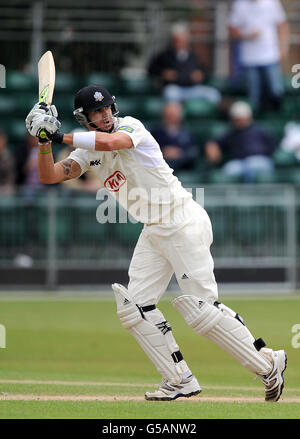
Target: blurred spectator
x,y
179,70
263,32
21,154
32,185
247,147
177,145
7,166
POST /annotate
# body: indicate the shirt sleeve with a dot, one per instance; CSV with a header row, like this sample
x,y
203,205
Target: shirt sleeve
x,y
279,12
134,129
80,156
235,17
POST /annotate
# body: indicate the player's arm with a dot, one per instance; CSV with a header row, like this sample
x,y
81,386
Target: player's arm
x,y
98,141
50,172
238,34
284,36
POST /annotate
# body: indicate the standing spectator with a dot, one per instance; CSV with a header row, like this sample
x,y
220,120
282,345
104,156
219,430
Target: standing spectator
x,y
262,29
247,147
179,70
177,145
7,166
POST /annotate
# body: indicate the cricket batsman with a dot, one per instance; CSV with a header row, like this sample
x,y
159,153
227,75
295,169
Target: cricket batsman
x,y
176,238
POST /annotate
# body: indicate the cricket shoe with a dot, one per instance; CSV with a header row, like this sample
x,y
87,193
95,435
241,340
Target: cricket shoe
x,y
274,381
168,392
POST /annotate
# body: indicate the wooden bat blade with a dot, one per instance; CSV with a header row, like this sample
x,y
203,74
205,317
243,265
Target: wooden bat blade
x,y
46,72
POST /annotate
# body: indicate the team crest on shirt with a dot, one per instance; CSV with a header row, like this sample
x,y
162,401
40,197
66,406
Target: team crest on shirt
x,y
115,181
126,128
98,96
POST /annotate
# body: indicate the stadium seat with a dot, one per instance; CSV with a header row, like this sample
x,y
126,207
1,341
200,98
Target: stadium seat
x,y
21,81
283,159
151,107
7,104
200,108
221,84
65,82
16,130
107,80
217,176
24,101
128,233
64,104
129,107
189,178
137,86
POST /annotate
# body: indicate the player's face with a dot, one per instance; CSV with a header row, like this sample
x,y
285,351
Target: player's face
x,y
102,118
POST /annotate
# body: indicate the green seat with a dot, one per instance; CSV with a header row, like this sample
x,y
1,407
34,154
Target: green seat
x,y
107,80
64,104
218,128
22,81
189,178
16,129
137,86
129,106
273,126
266,178
7,104
152,107
200,108
283,159
287,175
24,102
218,176
65,82
128,233
221,84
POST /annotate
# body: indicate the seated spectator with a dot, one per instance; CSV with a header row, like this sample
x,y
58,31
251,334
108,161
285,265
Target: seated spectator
x,y
262,29
180,72
177,144
247,147
7,166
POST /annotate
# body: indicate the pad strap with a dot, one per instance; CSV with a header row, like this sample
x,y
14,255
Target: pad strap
x,y
153,333
224,327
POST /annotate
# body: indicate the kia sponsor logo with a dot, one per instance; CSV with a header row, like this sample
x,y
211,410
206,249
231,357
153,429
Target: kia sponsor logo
x,y
115,181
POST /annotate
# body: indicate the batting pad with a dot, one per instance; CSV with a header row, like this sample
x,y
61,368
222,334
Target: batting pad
x,y
222,327
155,344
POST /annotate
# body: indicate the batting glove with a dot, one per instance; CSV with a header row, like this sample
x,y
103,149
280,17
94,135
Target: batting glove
x,y
41,123
41,108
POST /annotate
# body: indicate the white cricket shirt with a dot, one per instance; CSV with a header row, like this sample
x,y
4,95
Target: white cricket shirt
x,y
263,16
139,178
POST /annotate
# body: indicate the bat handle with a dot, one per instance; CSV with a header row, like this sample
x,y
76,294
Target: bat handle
x,y
43,136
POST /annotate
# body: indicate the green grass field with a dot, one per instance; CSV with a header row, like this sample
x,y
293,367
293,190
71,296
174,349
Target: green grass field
x,y
70,358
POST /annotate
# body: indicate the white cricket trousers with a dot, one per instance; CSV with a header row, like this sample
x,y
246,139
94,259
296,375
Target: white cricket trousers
x,y
182,248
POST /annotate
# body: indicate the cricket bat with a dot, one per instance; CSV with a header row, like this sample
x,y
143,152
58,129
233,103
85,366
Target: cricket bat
x,y
46,72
